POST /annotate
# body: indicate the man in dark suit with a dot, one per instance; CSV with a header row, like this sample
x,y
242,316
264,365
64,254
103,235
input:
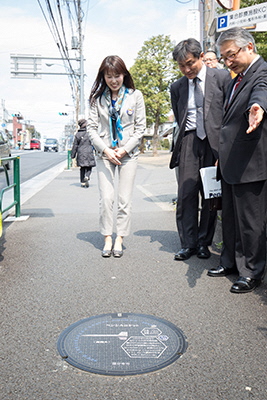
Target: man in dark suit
x,y
243,163
196,145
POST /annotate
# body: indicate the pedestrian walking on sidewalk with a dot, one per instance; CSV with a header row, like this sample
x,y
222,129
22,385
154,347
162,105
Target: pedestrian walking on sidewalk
x,y
243,163
116,124
197,102
82,149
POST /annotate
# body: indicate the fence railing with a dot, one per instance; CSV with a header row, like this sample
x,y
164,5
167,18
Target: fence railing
x,y
69,159
15,185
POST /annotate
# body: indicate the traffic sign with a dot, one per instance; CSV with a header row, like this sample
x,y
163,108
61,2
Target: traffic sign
x,y
243,17
227,4
222,23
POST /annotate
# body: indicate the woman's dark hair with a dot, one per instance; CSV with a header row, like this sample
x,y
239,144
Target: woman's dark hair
x,y
113,64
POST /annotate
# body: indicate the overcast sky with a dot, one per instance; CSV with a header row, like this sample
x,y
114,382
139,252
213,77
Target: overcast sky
x,y
110,27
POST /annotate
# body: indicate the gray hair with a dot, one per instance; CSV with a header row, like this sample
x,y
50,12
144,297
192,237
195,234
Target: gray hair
x,y
240,36
182,49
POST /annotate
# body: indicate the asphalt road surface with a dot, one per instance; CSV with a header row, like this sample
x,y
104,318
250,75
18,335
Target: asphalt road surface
x,y
32,163
52,275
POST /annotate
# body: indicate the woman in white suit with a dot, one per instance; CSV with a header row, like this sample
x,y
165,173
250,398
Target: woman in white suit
x,y
116,124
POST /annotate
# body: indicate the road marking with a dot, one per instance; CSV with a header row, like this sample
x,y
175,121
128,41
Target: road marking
x,y
163,205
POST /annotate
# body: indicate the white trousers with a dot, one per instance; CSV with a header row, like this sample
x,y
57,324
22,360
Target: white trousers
x,y
120,191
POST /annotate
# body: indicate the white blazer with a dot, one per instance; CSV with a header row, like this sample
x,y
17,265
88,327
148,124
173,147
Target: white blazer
x,y
133,120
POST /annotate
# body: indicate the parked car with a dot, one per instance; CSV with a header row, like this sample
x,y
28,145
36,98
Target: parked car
x,y
51,145
5,149
35,144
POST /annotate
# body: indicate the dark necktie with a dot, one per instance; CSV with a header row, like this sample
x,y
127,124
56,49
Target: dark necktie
x,y
237,83
199,100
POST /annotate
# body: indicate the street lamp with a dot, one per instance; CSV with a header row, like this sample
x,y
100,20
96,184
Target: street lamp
x,y
79,77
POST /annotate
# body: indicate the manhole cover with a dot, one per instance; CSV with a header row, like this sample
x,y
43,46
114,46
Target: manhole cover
x,y
121,344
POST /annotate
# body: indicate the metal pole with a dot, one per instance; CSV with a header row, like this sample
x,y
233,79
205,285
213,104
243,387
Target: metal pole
x,y
69,159
17,185
82,86
236,5
81,60
16,56
44,73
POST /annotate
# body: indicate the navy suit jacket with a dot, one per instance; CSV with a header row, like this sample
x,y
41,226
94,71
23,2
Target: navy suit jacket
x,y
242,156
216,84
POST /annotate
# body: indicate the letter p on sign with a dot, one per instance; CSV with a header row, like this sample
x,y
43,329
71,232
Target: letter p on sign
x,y
222,22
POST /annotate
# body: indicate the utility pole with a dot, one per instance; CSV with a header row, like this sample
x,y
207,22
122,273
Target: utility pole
x,y
29,66
236,4
81,60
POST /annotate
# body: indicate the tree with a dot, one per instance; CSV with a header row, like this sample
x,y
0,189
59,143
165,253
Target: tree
x,y
33,132
153,72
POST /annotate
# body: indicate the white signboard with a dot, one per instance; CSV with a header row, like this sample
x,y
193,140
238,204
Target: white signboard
x,y
193,24
247,16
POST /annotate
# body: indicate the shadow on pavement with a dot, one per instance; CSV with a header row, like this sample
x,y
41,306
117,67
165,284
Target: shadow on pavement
x,y
39,212
95,238
168,239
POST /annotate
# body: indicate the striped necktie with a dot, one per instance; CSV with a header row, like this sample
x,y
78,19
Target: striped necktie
x,y
237,83
239,79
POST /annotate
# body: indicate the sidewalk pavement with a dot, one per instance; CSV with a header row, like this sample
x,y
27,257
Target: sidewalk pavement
x,y
52,275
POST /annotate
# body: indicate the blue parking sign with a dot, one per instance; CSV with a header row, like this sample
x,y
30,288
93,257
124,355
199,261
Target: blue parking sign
x,y
222,22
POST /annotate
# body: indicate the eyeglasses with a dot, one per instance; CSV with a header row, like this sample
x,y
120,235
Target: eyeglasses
x,y
209,59
231,57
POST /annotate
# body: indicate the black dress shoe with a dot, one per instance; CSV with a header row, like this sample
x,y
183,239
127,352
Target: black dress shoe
x,y
203,252
221,271
244,285
184,254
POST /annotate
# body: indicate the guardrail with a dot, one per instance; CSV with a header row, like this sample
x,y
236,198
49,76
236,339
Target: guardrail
x,y
15,185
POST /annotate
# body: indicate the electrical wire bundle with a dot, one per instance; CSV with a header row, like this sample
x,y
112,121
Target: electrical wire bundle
x,y
62,17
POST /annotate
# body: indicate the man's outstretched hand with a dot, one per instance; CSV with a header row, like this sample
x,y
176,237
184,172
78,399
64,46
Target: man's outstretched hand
x,y
255,117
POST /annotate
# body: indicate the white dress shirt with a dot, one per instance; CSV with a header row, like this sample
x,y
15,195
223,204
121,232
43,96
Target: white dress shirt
x,y
192,113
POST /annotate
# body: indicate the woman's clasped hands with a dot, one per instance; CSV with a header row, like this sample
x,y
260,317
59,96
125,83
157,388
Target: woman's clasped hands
x,y
114,155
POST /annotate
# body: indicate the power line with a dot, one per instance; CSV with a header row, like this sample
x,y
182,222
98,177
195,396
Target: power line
x,y
63,49
57,26
70,17
87,12
47,22
71,77
62,27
